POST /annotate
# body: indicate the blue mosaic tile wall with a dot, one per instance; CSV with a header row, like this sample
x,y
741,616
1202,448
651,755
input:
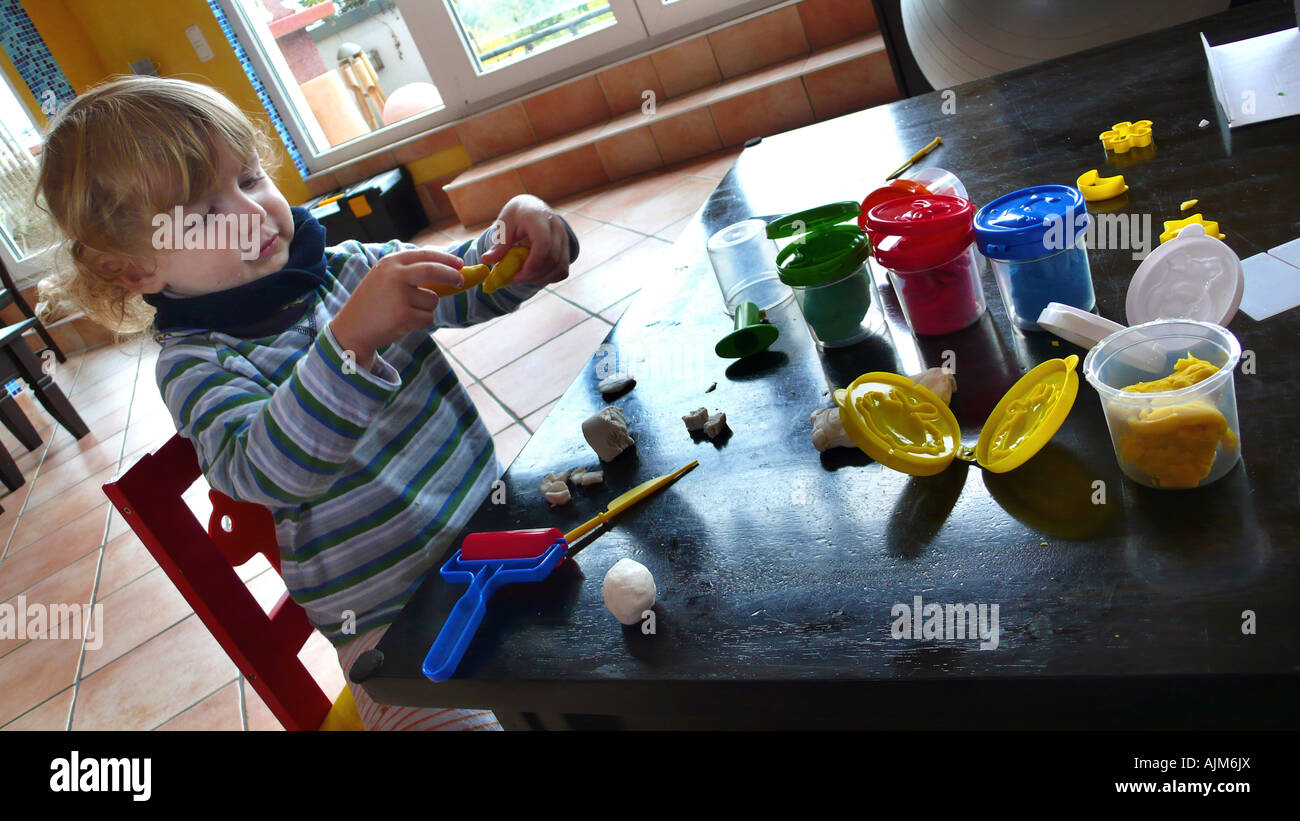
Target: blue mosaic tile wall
x,y
32,58
276,121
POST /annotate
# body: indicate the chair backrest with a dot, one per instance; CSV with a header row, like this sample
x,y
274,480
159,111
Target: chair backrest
x,y
201,563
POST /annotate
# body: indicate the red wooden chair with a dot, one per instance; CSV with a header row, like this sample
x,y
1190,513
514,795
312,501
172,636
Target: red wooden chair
x,y
201,563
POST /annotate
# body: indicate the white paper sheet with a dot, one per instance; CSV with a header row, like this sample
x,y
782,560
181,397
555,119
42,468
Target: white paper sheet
x,y
1257,79
1272,286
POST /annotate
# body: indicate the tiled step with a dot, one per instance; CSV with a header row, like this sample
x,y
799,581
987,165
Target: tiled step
x,y
804,89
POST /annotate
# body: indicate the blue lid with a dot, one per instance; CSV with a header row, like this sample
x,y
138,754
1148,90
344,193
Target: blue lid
x,y
1031,223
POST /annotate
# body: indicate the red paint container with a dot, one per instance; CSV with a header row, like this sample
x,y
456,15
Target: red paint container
x,y
927,243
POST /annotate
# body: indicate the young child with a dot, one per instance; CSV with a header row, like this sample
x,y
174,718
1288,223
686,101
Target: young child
x,y
305,376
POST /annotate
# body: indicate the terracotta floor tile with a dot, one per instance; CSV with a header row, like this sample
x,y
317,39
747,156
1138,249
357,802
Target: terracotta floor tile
x,y
253,568
466,378
40,520
509,442
618,278
530,382
219,711
711,166
450,337
602,244
581,225
52,715
34,672
566,205
322,661
105,363
657,213
608,207
63,446
52,481
153,682
260,717
71,585
615,312
543,318
267,587
673,232
494,416
55,550
534,420
134,614
125,560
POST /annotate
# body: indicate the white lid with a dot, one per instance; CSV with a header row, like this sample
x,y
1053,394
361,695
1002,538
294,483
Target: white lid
x,y
1076,325
1192,276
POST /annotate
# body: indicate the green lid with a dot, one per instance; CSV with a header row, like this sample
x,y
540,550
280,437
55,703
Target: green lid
x,y
823,216
823,256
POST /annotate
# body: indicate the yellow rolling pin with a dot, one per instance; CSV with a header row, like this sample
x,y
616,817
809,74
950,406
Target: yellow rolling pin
x,y
498,276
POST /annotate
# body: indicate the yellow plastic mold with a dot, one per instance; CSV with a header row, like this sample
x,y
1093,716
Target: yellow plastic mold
x,y
1095,187
905,426
1123,136
1172,227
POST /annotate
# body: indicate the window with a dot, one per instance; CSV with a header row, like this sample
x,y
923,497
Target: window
x,y
351,76
27,237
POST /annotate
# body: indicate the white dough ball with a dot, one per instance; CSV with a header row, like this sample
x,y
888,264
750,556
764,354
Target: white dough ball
x,y
629,590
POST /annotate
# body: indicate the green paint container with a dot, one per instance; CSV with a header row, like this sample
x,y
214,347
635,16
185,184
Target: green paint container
x,y
825,265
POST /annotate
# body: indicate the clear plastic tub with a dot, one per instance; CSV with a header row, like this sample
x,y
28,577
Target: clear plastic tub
x,y
838,312
1182,438
944,298
744,262
1030,285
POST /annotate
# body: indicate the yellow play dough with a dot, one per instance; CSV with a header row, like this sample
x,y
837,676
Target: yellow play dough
x,y
1175,444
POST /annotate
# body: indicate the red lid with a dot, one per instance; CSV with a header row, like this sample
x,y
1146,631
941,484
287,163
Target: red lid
x,y
916,233
885,193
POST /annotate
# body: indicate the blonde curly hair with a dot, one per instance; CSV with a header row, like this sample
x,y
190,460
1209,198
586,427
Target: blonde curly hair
x,y
125,150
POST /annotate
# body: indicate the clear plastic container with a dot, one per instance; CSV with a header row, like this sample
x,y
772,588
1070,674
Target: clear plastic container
x,y
836,312
1030,285
926,244
944,298
1182,438
1034,239
744,262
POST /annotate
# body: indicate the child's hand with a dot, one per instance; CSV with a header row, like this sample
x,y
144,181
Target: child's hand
x,y
392,300
528,220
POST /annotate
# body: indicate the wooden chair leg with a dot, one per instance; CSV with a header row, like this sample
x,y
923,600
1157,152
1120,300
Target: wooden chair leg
x,y
9,472
47,392
18,423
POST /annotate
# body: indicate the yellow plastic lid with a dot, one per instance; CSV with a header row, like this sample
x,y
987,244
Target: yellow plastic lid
x,y
905,426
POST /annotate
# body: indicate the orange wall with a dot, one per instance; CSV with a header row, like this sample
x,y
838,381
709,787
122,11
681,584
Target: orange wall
x,y
95,39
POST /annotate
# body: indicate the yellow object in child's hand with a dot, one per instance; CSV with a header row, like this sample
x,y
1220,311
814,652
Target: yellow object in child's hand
x,y
473,275
503,273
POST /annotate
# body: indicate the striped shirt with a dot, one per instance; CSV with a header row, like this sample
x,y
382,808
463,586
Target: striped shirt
x,y
369,474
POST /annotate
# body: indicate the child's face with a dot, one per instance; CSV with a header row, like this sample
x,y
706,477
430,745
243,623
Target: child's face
x,y
236,233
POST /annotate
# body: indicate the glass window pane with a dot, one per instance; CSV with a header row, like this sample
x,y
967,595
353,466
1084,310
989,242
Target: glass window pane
x,y
25,229
350,67
498,33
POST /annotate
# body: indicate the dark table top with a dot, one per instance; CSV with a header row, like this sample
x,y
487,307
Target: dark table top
x,y
778,568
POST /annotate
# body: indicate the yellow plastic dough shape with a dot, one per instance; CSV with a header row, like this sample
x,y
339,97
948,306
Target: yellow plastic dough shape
x,y
1172,227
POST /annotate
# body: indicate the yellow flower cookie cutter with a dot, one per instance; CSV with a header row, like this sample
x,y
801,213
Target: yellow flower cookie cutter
x,y
905,426
1123,136
1095,187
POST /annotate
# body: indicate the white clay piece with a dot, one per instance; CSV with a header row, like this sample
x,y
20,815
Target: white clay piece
x,y
715,425
828,431
695,419
615,383
939,380
555,489
586,476
606,432
629,590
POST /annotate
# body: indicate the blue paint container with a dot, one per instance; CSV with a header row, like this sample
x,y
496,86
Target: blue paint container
x,y
1034,240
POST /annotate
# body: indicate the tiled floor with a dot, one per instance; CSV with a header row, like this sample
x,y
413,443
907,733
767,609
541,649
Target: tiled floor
x,y
158,666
